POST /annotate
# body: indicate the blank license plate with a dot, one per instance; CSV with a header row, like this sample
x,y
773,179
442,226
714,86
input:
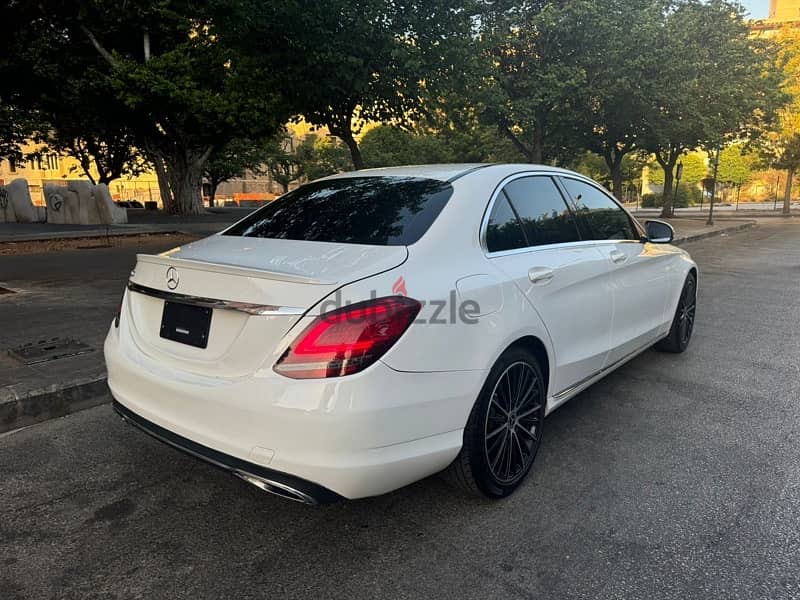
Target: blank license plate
x,y
186,324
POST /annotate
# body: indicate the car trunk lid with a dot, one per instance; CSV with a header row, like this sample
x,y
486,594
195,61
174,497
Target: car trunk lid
x,y
252,289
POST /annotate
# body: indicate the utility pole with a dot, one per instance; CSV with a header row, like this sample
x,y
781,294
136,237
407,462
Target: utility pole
x,y
713,187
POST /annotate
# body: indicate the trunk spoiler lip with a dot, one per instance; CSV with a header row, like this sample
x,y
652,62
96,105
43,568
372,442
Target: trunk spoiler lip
x,y
226,268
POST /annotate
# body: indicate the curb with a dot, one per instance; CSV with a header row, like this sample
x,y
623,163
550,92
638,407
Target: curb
x,y
708,234
53,403
81,235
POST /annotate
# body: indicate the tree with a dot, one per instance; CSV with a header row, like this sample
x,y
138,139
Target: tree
x,y
357,62
386,146
283,164
781,146
533,79
614,99
322,156
86,122
234,159
708,84
15,128
695,169
172,73
56,82
736,166
595,166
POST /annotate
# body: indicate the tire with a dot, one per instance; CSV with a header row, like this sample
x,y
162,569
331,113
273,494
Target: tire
x,y
504,429
680,333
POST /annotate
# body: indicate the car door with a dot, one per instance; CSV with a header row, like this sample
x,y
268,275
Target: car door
x,y
532,236
641,271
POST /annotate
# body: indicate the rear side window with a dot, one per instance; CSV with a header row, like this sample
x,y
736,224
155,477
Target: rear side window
x,y
504,231
542,210
381,211
603,217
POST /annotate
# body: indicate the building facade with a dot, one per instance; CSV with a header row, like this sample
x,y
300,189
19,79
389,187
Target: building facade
x,y
50,168
784,10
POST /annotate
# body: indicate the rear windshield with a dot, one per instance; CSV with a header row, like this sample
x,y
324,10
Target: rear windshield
x,y
382,211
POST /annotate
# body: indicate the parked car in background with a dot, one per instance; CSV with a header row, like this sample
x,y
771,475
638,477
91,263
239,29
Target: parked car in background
x,y
372,328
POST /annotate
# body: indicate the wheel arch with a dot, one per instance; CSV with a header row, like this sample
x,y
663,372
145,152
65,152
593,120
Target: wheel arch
x,y
535,346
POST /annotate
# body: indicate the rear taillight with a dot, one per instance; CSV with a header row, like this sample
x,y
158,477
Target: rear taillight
x,y
349,339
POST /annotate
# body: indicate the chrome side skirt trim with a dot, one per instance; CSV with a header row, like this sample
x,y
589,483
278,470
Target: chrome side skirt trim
x,y
574,387
245,307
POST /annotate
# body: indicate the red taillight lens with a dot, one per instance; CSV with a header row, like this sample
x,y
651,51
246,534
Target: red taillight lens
x,y
349,339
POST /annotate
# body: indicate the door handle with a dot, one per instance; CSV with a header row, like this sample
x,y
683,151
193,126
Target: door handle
x,y
540,275
618,257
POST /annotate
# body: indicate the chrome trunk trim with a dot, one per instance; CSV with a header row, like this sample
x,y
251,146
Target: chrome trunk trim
x,y
245,307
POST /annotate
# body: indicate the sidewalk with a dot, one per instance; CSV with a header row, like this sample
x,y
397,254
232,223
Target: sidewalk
x,y
690,229
74,295
140,222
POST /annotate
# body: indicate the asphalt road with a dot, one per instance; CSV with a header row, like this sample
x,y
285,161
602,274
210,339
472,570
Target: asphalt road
x,y
675,477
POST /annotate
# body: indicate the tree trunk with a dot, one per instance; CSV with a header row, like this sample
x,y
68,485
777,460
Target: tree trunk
x,y
537,151
613,158
787,197
180,179
668,165
522,148
352,145
213,194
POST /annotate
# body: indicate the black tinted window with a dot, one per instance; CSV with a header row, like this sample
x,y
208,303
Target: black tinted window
x,y
382,211
504,231
542,210
603,218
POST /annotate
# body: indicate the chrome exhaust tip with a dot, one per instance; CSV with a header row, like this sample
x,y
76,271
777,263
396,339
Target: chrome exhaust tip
x,y
276,488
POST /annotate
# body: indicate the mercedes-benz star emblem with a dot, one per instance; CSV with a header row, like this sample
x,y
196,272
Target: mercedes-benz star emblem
x,y
172,278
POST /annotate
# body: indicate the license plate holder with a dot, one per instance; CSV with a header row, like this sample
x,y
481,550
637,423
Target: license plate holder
x,y
186,324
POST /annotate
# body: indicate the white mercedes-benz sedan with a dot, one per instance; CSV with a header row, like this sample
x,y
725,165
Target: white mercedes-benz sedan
x,y
372,328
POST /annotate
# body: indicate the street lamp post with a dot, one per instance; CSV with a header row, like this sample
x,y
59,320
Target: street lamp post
x,y
713,188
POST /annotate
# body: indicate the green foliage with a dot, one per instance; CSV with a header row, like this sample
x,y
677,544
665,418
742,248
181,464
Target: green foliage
x,y
348,63
736,165
780,148
596,167
709,83
236,157
84,65
695,169
386,146
322,156
539,81
687,195
532,76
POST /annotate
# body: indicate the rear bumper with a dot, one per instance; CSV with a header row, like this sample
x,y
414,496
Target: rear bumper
x,y
281,484
350,437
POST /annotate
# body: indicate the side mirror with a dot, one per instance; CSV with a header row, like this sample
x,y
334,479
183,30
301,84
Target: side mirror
x,y
659,232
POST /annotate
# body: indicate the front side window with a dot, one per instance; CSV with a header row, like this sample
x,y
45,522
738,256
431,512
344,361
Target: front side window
x,y
504,231
602,217
542,210
380,211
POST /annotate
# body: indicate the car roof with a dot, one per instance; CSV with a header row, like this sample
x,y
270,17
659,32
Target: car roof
x,y
444,172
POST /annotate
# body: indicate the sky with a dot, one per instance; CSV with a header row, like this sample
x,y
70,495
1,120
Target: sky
x,y
758,8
